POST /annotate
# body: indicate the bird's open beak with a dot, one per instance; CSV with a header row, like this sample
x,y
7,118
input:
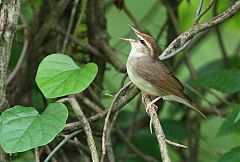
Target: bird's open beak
x,y
138,34
135,30
128,40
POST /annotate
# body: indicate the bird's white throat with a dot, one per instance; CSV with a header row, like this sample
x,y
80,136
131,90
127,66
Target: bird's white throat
x,y
134,53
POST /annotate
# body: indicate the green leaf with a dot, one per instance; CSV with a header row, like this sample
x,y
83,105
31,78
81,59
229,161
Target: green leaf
x,y
237,118
230,125
232,156
22,128
224,80
58,76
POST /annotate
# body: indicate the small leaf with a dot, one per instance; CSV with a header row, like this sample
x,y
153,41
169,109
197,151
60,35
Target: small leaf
x,y
224,80
58,76
237,118
229,125
232,156
22,128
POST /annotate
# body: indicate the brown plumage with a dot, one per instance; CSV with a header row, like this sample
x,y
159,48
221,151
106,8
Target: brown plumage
x,y
150,74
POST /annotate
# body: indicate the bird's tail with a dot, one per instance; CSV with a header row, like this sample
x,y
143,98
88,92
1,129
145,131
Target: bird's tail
x,y
194,107
186,101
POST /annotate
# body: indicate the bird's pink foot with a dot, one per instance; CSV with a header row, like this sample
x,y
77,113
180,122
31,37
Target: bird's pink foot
x,y
150,104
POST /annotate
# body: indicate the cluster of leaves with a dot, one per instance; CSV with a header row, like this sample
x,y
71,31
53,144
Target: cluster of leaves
x,y
22,128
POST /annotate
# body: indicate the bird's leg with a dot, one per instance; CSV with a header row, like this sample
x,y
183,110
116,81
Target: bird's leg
x,y
144,95
150,104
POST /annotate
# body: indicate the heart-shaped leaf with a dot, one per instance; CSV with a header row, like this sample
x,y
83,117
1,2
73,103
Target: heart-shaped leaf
x,y
58,76
22,128
223,80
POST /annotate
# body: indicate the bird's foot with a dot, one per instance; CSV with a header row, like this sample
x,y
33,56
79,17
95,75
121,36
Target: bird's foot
x,y
151,104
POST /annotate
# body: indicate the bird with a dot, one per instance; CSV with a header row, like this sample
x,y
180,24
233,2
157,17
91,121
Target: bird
x,y
151,75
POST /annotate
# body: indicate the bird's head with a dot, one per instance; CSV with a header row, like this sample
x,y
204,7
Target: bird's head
x,y
145,45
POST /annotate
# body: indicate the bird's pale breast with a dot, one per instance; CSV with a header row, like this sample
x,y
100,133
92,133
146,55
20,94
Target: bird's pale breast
x,y
140,82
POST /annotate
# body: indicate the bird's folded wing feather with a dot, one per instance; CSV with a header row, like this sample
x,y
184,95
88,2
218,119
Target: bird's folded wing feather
x,y
157,73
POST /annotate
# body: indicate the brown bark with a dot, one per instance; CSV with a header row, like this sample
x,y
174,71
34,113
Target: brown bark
x,y
9,12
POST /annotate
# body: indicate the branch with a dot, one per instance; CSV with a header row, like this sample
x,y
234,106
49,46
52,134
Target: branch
x,y
86,126
36,152
109,147
106,124
198,15
220,40
22,57
70,24
50,23
90,104
96,23
87,47
123,100
68,137
159,132
182,39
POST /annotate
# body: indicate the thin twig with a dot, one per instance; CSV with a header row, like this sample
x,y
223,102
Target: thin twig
x,y
23,52
222,47
80,146
70,24
182,39
109,146
83,4
108,116
220,98
48,151
123,100
19,63
161,31
37,157
120,44
94,107
61,144
123,80
198,16
134,19
220,40
175,144
83,153
203,98
199,8
87,47
85,124
49,24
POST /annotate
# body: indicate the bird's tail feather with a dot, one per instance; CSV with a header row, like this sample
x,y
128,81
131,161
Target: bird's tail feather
x,y
186,101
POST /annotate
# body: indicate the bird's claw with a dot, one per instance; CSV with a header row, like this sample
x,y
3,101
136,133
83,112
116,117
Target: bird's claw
x,y
149,105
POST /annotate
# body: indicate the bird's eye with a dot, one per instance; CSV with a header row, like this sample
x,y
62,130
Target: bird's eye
x,y
142,42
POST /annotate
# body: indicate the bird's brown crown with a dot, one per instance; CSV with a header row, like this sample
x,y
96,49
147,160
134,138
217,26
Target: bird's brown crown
x,y
151,43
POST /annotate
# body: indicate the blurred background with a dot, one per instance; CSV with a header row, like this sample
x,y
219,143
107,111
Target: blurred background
x,y
89,31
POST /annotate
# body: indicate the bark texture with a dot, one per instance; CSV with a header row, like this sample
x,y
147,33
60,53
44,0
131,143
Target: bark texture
x,y
9,12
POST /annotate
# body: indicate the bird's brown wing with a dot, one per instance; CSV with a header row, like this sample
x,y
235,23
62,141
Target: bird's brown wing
x,y
157,73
